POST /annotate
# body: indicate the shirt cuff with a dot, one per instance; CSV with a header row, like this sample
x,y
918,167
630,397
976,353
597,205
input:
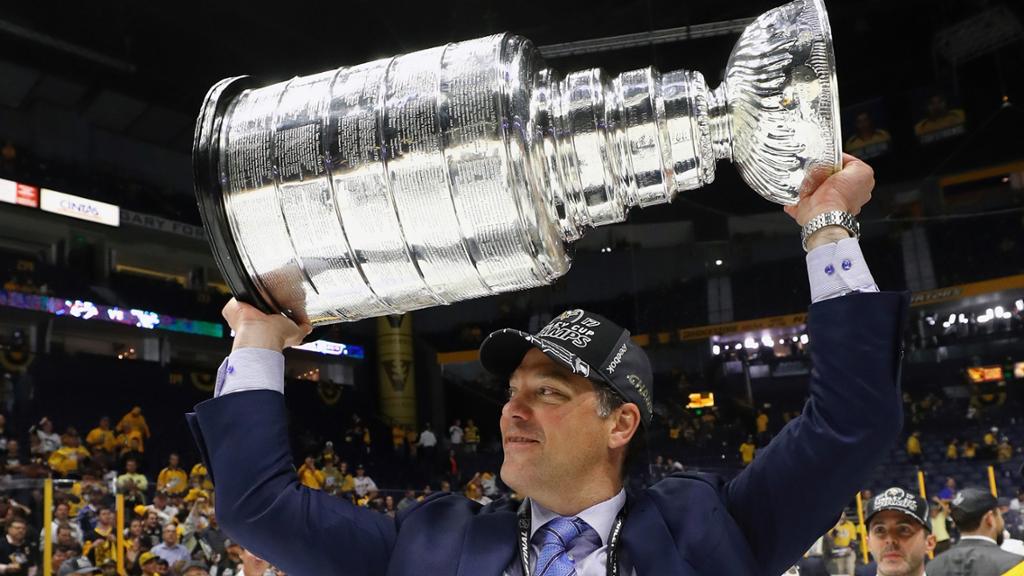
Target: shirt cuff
x,y
250,369
837,269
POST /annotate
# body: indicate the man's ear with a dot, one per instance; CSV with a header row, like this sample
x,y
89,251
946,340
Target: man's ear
x,y
625,422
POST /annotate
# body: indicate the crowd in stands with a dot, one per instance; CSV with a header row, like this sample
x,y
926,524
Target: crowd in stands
x,y
170,526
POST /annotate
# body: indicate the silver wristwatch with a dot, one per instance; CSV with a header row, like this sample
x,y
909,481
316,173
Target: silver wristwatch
x,y
830,218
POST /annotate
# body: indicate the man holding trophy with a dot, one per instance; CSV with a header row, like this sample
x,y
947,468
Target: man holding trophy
x,y
469,204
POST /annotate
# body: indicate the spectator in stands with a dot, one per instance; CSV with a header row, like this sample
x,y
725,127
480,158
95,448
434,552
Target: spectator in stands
x,y
65,537
70,457
230,562
172,480
164,510
952,449
1012,519
130,446
428,449
898,533
132,482
48,440
148,564
1018,503
171,550
761,424
970,450
347,485
133,425
92,497
17,553
938,519
364,485
1004,452
977,516
472,436
949,490
914,447
62,518
102,442
309,475
152,529
747,451
407,500
199,477
14,463
990,444
843,537
455,434
100,543
332,477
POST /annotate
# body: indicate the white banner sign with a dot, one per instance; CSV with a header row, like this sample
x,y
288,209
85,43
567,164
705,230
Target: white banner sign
x,y
81,208
152,222
8,191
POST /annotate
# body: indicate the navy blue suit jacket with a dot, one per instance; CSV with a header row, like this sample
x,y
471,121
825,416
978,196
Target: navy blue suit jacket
x,y
761,522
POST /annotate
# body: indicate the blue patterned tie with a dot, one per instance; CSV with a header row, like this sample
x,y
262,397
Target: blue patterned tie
x,y
556,539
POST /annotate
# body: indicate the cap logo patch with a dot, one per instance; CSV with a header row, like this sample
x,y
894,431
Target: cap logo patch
x,y
895,497
618,358
571,327
638,384
550,348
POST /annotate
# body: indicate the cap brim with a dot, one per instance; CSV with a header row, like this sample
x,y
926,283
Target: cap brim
x,y
502,351
867,520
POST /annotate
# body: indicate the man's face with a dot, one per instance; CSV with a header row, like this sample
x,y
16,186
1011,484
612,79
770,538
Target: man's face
x,y
173,460
899,544
61,512
106,517
131,466
109,569
151,519
551,432
105,423
16,530
170,535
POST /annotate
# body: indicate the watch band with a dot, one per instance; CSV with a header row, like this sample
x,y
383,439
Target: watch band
x,y
831,218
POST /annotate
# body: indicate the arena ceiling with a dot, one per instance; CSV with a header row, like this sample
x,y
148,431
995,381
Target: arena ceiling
x,y
143,67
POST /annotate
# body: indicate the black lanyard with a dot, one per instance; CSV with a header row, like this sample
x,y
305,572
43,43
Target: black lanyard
x,y
612,565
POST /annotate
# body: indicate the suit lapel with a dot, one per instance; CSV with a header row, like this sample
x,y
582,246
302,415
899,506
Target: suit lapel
x,y
489,545
649,544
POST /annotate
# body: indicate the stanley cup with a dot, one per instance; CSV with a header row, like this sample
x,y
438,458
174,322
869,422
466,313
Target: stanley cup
x,y
466,170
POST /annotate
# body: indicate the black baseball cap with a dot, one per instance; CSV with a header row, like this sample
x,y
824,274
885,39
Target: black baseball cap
x,y
970,504
588,344
900,500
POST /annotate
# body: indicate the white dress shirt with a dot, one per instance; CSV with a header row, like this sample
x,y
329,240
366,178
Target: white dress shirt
x,y
589,550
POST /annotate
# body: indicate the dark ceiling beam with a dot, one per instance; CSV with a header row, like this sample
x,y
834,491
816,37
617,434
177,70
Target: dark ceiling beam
x,y
649,38
77,50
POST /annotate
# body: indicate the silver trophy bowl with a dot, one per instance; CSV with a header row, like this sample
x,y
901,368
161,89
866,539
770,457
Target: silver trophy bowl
x,y
467,169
